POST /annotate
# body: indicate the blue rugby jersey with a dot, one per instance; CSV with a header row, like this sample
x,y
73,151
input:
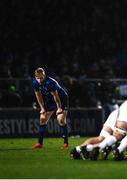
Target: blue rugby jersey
x,y
46,88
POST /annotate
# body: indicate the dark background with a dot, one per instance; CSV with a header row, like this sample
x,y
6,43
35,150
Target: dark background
x,y
73,40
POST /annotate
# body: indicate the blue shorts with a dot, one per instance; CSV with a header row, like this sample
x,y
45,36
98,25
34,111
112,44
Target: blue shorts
x,y
51,105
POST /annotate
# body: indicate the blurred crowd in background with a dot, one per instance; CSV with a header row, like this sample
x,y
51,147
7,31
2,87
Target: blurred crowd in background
x,y
81,43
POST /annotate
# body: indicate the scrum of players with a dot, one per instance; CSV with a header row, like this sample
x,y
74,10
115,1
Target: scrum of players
x,y
112,139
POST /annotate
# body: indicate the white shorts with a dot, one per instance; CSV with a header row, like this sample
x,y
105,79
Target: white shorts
x,y
111,120
123,112
104,133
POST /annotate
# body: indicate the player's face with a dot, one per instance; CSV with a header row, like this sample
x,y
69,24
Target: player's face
x,y
40,78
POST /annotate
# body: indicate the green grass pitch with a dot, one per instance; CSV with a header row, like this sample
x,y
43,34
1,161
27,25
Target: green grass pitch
x,y
19,161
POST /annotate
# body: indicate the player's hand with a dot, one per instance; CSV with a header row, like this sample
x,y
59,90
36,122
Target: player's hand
x,y
59,111
42,111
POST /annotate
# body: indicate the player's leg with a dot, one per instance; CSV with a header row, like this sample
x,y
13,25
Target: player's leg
x,y
93,140
87,146
121,123
42,127
109,127
118,152
61,118
121,128
95,148
123,145
106,145
119,131
75,154
90,148
106,131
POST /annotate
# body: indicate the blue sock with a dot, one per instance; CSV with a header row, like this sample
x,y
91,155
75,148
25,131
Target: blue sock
x,y
64,133
41,133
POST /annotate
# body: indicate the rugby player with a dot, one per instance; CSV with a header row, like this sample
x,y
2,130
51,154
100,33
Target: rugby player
x,y
51,98
83,151
118,152
119,133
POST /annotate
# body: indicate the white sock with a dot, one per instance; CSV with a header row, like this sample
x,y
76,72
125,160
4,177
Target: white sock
x,y
123,145
89,147
78,149
110,140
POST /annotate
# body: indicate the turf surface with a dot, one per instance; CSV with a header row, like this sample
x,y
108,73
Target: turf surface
x,y
19,161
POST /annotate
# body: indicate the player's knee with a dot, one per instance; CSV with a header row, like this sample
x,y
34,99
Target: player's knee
x,y
61,122
43,121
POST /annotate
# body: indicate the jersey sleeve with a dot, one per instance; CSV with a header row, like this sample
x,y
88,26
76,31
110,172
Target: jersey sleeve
x,y
35,85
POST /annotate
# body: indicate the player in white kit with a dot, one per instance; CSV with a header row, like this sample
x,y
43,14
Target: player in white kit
x,y
119,134
87,146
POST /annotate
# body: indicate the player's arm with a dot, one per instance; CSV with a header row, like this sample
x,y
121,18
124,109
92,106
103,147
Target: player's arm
x,y
57,101
40,101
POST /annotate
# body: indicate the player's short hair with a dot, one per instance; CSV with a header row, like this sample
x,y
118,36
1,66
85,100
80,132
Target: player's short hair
x,y
39,71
